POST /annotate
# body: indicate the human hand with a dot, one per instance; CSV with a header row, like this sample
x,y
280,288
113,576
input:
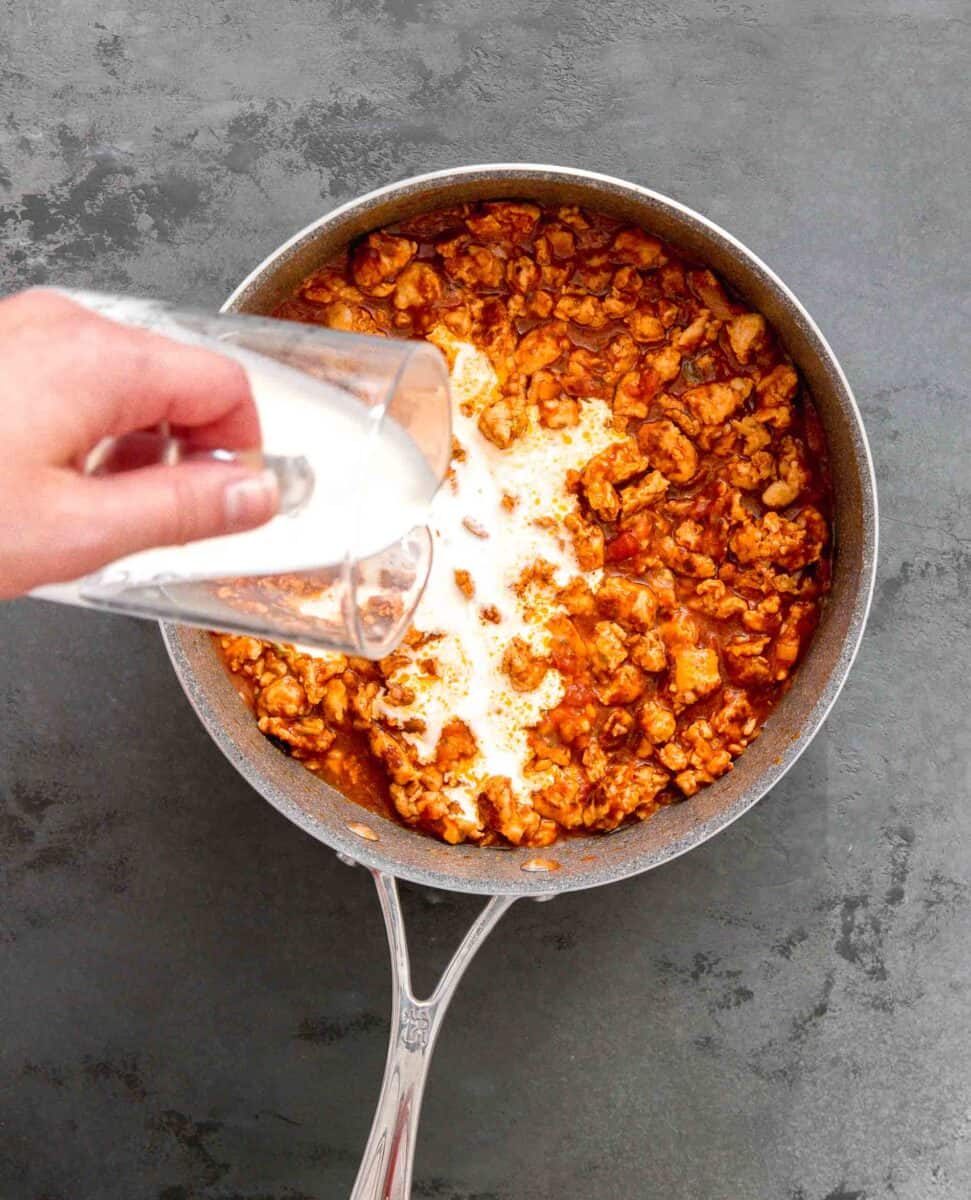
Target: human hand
x,y
69,378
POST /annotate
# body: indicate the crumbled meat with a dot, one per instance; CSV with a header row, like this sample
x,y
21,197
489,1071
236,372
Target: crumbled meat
x,y
582,374
736,719
793,478
582,310
617,725
335,701
745,660
630,603
577,598
775,392
696,673
418,286
775,539
526,669
624,686
713,597
708,510
238,651
283,698
638,248
668,450
707,287
684,561
785,649
378,260
749,474
541,347
746,334
502,422
619,462
595,762
641,495
714,403
522,274
665,364
456,747
557,410
561,241
645,326
351,318
519,823
658,722
561,801
607,650
701,330
476,267
625,789
648,652
498,220
764,617
588,543
633,393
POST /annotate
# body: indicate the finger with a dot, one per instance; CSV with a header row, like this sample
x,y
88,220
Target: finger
x,y
76,524
121,379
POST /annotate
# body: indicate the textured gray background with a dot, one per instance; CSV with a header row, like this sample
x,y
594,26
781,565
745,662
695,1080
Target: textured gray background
x,y
194,993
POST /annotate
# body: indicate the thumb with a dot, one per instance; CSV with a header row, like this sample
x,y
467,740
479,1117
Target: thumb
x,y
88,522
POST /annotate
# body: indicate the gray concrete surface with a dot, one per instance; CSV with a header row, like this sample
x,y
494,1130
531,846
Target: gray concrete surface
x,y
194,993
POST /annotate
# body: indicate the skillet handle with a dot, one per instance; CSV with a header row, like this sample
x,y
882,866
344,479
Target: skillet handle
x,y
385,1172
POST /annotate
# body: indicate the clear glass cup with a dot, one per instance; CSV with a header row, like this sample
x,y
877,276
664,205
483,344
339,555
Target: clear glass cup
x,y
357,431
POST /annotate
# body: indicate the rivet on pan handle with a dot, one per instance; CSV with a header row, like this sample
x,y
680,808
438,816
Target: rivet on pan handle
x,y
386,1168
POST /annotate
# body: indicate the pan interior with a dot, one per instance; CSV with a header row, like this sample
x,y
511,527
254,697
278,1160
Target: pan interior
x,y
588,861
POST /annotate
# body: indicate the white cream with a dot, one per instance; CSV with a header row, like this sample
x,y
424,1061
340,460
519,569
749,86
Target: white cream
x,y
471,684
304,416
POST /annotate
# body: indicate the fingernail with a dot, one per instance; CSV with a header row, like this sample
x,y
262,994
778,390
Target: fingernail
x,y
250,501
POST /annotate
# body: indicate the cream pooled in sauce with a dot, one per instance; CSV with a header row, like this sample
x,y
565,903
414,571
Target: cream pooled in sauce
x,y
470,684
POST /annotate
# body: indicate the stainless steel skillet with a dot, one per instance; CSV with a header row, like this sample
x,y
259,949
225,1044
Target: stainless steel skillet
x,y
390,851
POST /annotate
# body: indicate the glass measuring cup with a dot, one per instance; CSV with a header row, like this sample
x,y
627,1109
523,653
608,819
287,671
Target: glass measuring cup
x,y
357,432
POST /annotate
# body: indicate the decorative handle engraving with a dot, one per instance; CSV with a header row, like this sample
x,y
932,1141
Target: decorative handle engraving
x,y
415,1028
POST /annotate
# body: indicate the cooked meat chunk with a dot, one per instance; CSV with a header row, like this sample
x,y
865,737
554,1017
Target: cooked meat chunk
x,y
747,335
638,248
476,267
378,260
502,220
417,287
502,422
632,604
456,747
696,673
607,649
640,495
282,698
519,823
525,668
540,347
714,403
668,450
658,722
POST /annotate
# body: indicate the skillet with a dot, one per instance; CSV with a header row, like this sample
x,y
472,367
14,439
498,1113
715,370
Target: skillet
x,y
391,851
